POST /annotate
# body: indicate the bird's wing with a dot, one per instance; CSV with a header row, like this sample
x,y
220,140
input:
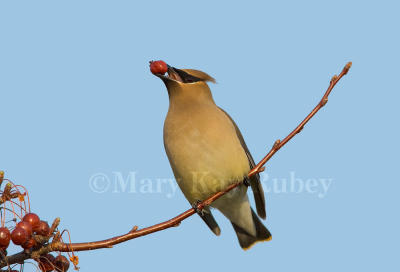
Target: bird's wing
x,y
255,182
210,221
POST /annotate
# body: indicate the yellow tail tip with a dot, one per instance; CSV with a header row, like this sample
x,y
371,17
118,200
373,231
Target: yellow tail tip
x,y
265,240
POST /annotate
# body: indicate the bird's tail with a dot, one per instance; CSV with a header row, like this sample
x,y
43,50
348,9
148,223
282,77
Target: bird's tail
x,y
247,240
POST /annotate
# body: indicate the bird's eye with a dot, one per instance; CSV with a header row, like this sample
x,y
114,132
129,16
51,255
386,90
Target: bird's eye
x,y
186,78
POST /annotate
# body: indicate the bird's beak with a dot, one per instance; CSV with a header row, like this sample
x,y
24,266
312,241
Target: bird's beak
x,y
172,74
177,75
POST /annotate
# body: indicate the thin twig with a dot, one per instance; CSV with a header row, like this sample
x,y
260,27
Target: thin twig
x,y
57,245
278,144
176,220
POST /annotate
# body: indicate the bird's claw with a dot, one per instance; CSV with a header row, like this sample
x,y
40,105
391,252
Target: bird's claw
x,y
246,182
196,209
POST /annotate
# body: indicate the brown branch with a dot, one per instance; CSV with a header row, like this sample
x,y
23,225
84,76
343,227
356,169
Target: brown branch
x,y
278,143
57,245
176,220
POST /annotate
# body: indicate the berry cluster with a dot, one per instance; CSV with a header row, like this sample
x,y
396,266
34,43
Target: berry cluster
x,y
51,263
27,230
22,233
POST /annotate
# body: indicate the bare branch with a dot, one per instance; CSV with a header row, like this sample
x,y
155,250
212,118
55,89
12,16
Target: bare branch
x,y
176,220
278,144
58,245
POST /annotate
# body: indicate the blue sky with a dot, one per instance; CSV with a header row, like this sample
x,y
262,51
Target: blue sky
x,y
78,101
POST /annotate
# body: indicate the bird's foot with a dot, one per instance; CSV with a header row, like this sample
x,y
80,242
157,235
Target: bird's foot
x,y
196,209
246,181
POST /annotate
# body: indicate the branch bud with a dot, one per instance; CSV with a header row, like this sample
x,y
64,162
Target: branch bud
x,y
347,67
333,79
276,144
135,228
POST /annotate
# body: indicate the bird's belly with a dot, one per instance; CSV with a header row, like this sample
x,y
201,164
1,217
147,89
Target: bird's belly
x,y
206,159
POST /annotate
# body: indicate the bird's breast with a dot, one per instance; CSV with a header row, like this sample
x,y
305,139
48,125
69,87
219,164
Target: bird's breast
x,y
204,151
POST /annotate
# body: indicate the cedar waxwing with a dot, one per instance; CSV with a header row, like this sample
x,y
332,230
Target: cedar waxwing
x,y
207,153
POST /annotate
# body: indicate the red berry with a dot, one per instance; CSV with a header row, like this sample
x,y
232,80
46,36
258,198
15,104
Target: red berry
x,y
32,219
19,236
26,226
5,237
46,262
43,228
61,263
158,67
29,244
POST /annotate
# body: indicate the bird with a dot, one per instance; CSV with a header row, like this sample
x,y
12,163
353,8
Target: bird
x,y
207,153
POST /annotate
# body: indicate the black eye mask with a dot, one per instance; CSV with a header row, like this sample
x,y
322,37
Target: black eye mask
x,y
186,78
